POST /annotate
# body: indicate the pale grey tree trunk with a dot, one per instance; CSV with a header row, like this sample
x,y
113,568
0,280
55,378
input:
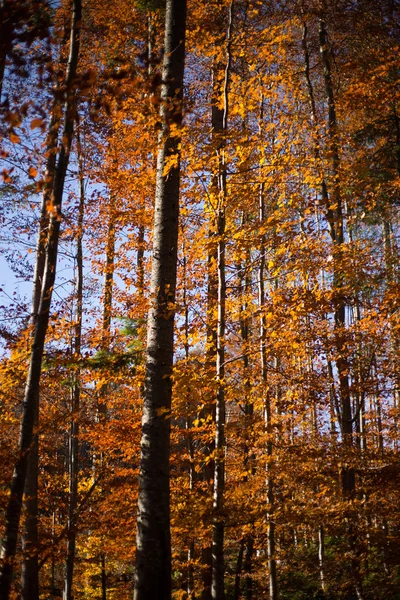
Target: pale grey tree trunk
x,y
13,511
153,550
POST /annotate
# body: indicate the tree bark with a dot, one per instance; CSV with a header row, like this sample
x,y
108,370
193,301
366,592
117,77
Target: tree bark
x,y
342,362
30,564
76,391
247,543
153,551
108,276
13,512
272,575
218,529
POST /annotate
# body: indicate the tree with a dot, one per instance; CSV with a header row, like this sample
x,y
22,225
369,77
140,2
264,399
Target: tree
x,y
9,542
153,552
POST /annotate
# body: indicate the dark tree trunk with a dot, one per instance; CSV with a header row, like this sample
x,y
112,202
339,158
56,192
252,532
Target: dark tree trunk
x,y
30,563
342,362
218,530
272,574
247,543
109,276
238,572
76,391
153,552
13,512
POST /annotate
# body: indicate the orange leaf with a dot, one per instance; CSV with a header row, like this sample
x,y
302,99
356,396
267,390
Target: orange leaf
x,y
14,138
36,123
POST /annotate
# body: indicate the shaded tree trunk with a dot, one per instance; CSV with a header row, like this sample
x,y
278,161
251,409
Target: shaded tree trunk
x,y
153,553
342,362
218,529
247,543
272,575
238,571
30,565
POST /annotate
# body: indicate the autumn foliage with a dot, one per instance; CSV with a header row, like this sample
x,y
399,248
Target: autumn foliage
x,y
298,193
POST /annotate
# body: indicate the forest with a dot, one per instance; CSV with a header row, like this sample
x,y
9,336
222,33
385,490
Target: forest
x,y
200,299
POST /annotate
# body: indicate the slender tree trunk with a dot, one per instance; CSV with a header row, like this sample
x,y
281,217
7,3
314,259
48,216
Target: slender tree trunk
x,y
246,551
108,276
238,571
272,575
217,115
30,565
153,551
76,391
190,449
218,529
13,512
337,234
390,263
109,269
342,362
141,228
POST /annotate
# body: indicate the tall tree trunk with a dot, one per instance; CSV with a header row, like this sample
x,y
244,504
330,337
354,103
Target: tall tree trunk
x,y
30,564
337,235
247,543
342,362
272,575
13,512
76,390
189,424
217,115
109,269
218,529
153,550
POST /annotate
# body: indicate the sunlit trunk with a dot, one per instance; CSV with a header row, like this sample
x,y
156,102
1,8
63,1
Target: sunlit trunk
x,y
153,552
